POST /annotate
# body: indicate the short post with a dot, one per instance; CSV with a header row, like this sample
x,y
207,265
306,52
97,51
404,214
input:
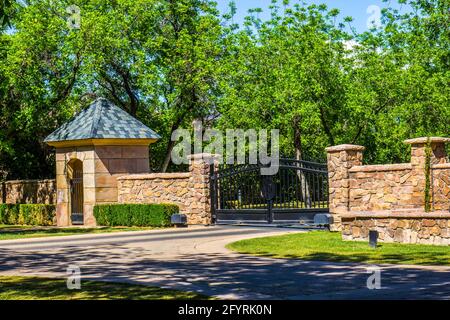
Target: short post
x,y
373,238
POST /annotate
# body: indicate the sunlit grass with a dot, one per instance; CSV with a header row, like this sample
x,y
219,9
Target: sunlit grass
x,y
8,232
329,246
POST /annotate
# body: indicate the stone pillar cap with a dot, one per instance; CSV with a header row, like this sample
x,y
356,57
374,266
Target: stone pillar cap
x,y
345,147
424,140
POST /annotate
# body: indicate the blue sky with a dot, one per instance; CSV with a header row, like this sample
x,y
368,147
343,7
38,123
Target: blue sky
x,y
354,8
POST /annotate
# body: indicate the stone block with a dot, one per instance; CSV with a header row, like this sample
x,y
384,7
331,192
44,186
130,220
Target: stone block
x,y
61,181
106,194
89,195
88,215
142,166
62,215
101,165
89,180
105,180
89,166
108,152
135,152
122,166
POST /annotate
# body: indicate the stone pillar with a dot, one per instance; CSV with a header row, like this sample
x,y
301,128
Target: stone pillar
x,y
418,160
200,206
339,160
64,156
418,146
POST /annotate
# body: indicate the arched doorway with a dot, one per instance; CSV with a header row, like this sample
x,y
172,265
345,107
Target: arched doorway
x,y
75,176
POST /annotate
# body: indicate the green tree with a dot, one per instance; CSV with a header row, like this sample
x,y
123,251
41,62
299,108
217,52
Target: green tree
x,y
302,73
286,73
39,63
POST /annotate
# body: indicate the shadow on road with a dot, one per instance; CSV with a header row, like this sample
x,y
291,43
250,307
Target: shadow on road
x,y
232,275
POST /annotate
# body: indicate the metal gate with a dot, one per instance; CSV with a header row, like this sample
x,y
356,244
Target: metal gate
x,y
297,192
76,193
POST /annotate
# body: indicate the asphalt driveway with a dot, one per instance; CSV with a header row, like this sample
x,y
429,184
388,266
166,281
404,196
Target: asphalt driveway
x,y
195,259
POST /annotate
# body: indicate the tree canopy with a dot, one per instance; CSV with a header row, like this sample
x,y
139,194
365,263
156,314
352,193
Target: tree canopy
x,y
170,62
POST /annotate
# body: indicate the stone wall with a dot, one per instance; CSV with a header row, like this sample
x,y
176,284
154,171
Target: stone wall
x,y
441,186
189,190
371,196
397,226
28,191
383,187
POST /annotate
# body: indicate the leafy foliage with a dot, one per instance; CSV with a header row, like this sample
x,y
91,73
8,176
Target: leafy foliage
x,y
28,214
139,215
171,62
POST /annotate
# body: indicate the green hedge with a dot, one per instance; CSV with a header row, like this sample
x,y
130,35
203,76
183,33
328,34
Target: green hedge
x,y
137,215
28,214
9,213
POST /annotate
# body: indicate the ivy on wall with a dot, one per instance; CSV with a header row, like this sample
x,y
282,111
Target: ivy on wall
x,y
427,192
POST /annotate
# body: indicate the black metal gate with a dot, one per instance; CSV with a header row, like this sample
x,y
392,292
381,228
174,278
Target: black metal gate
x,y
297,192
76,193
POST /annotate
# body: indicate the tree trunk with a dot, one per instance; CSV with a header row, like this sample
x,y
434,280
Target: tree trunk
x,y
171,144
304,185
169,149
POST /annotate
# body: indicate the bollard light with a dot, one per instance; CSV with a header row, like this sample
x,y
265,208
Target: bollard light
x,y
373,238
179,220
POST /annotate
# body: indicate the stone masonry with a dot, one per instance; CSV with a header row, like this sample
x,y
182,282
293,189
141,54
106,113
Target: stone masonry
x,y
340,159
399,226
28,191
390,198
189,190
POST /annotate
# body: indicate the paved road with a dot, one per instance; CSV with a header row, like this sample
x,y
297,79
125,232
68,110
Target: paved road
x,y
195,259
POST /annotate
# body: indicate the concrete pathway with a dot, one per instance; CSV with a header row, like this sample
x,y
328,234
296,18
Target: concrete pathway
x,y
196,259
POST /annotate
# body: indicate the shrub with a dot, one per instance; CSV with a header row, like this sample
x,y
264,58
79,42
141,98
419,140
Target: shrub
x,y
9,213
30,214
3,213
102,214
37,214
138,215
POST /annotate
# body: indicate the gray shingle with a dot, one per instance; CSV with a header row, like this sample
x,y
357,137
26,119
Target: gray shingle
x,y
102,120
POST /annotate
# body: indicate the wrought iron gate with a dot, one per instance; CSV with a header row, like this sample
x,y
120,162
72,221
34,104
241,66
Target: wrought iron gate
x,y
76,193
297,192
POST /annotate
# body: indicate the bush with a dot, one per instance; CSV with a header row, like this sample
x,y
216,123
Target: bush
x,y
3,208
37,214
2,212
9,213
29,214
137,215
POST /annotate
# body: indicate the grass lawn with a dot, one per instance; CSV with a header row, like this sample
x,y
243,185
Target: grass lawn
x,y
32,288
8,232
328,246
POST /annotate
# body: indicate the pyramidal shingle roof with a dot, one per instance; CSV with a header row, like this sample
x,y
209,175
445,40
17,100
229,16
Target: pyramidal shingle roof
x,y
102,120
